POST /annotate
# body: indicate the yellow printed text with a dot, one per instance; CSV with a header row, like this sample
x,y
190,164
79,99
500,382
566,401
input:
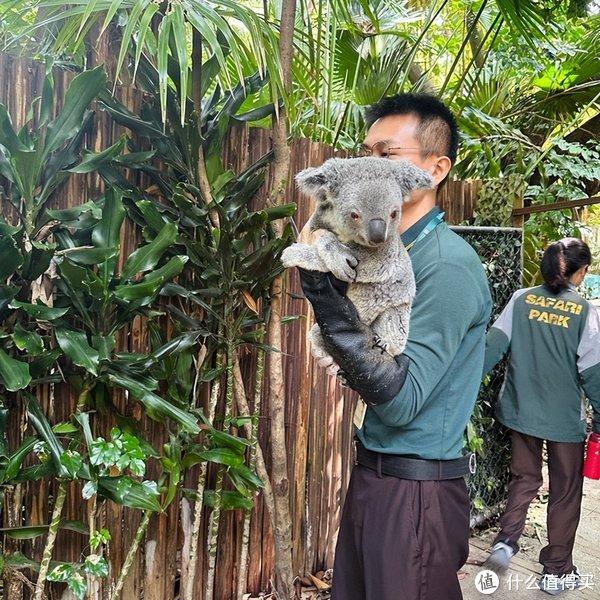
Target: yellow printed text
x,y
555,303
543,316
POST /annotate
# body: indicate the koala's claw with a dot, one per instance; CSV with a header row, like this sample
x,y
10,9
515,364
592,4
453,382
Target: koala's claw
x,y
342,378
379,343
352,261
337,258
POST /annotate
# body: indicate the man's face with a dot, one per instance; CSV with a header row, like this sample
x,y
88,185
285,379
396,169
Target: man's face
x,y
398,131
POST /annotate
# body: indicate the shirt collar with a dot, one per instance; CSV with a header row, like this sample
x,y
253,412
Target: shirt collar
x,y
412,233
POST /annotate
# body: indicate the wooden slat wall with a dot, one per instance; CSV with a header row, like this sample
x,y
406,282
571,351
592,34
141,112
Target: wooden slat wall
x,y
318,412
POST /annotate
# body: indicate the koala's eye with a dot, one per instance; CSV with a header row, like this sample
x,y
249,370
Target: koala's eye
x,y
355,216
394,214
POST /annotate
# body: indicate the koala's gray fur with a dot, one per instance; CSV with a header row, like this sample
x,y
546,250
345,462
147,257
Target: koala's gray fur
x,y
365,251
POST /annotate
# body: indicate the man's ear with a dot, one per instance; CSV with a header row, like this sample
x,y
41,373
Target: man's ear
x,y
410,178
313,182
440,169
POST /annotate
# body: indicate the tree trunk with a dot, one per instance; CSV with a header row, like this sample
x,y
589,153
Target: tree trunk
x,y
282,530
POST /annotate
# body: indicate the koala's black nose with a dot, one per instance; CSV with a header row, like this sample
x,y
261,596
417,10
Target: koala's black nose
x,y
376,231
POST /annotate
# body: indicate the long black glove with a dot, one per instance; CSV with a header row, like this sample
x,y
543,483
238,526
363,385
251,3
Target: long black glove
x,y
374,374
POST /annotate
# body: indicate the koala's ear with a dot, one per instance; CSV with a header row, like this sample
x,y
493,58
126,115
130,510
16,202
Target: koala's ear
x,y
410,178
312,182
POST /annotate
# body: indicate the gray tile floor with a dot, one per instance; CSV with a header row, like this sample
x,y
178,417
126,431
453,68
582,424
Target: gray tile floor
x,y
525,568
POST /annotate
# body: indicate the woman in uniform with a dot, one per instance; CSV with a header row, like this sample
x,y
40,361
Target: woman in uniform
x,y
553,335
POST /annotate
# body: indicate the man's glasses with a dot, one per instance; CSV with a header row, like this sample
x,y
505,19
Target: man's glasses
x,y
380,150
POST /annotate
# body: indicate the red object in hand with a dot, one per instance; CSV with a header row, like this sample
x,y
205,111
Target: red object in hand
x,y
591,466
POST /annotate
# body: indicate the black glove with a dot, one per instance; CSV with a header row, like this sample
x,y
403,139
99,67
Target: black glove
x,y
373,373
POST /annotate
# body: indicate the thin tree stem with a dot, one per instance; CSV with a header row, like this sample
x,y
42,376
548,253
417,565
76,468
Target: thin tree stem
x,y
139,534
188,582
215,515
51,539
252,433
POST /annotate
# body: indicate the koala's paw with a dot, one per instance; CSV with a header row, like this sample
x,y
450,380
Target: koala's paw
x,y
337,258
303,256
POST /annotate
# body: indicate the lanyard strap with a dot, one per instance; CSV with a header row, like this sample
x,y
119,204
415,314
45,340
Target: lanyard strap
x,y
431,225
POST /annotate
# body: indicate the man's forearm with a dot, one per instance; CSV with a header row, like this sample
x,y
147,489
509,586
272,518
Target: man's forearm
x,y
373,373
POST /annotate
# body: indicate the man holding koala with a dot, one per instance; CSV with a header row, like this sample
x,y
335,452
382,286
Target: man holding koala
x,y
405,524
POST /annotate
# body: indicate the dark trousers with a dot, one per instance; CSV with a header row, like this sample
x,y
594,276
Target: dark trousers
x,y
565,462
401,539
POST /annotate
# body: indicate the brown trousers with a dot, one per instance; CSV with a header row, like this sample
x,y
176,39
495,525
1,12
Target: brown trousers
x,y
565,463
401,539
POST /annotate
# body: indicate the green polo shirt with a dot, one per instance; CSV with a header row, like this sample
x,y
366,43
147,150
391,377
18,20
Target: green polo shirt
x,y
446,345
554,343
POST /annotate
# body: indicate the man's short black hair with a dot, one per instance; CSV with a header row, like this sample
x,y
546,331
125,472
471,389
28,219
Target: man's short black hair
x,y
437,131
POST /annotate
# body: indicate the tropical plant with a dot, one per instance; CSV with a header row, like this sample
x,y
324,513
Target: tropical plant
x,y
64,305
161,31
233,251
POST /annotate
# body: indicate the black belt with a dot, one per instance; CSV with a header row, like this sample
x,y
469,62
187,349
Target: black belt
x,y
415,468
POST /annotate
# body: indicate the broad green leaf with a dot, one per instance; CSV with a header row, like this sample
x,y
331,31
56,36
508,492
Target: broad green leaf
x,y
89,255
14,374
83,89
143,30
74,282
162,61
66,427
29,532
89,489
40,312
223,456
39,421
180,36
230,500
145,291
152,215
123,116
147,257
39,366
11,468
132,20
11,257
27,340
6,229
247,475
96,565
37,260
71,461
8,137
69,216
222,438
107,233
105,344
93,160
174,346
110,13
75,345
154,404
126,492
7,293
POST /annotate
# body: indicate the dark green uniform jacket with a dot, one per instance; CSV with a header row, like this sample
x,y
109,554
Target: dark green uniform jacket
x,y
446,345
554,342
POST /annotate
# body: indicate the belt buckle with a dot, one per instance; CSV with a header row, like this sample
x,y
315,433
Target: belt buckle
x,y
472,463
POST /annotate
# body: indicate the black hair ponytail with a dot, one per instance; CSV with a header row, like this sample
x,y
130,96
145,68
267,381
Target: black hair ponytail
x,y
561,259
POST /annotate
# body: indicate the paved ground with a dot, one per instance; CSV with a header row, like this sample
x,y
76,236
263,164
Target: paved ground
x,y
525,568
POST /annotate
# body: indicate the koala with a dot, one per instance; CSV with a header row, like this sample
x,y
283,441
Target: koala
x,y
359,203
